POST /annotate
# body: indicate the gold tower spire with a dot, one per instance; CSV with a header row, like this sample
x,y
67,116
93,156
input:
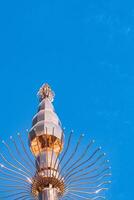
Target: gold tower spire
x,y
46,143
77,172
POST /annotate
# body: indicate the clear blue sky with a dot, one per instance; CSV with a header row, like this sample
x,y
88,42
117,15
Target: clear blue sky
x,y
85,51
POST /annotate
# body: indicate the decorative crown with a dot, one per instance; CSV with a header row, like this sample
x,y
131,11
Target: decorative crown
x,y
46,92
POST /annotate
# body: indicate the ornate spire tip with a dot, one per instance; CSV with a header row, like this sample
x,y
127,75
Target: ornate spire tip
x,y
46,92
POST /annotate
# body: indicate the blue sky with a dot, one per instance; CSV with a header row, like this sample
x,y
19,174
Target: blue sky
x,y
84,50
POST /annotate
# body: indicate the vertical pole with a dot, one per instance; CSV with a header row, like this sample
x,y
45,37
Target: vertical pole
x,y
48,194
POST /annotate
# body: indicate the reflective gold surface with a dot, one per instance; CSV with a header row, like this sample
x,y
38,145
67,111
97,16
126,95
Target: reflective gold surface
x,y
46,143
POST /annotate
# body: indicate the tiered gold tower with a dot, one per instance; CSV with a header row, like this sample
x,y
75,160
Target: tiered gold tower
x,y
46,143
80,172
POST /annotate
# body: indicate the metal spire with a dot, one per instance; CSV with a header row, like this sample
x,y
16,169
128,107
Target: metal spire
x,y
52,172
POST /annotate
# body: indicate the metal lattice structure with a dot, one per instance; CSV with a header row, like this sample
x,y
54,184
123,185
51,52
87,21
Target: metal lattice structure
x,y
77,171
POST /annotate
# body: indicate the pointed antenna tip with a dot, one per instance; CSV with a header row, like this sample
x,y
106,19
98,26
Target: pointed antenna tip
x,y
46,92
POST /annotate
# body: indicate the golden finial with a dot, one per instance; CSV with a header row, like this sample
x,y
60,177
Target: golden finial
x,y
46,92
